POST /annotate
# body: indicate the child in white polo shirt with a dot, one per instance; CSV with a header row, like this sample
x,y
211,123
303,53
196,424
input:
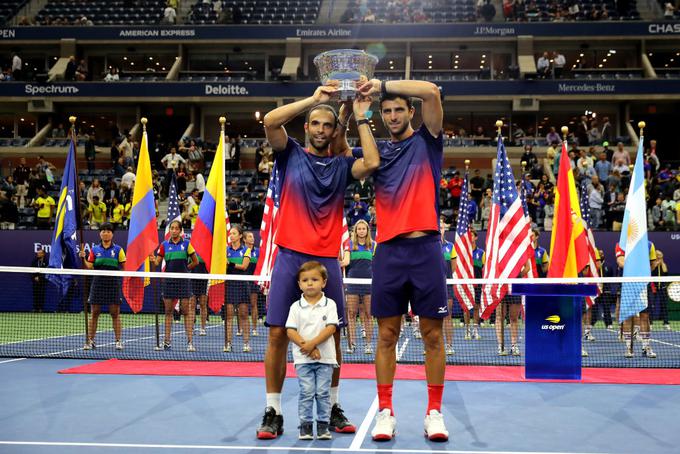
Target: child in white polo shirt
x,y
312,320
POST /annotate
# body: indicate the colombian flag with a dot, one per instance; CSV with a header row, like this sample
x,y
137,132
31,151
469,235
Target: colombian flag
x,y
143,232
569,241
209,237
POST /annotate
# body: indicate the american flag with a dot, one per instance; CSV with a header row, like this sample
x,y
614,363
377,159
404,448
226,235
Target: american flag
x,y
591,269
465,294
268,248
533,270
174,214
508,239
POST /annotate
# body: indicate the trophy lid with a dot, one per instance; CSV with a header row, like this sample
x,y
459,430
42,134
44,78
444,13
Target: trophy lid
x,y
342,64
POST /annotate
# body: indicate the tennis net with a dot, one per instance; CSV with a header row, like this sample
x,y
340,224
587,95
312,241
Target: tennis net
x,y
37,319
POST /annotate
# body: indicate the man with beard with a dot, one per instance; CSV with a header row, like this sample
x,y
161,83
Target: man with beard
x,y
312,187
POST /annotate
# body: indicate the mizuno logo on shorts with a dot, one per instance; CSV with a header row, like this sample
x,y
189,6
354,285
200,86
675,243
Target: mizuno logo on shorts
x,y
442,310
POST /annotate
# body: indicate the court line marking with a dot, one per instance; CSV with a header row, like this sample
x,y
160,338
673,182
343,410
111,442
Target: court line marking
x,y
616,331
358,439
82,333
262,448
12,360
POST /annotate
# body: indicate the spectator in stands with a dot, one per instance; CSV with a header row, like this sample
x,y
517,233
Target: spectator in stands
x,y
82,72
543,70
455,187
17,67
369,17
44,206
582,129
264,169
195,155
199,182
96,213
71,68
558,64
20,176
9,212
603,167
169,15
487,11
41,260
477,188
119,168
95,190
358,210
596,200
90,152
594,134
110,192
487,203
616,211
181,177
657,215
59,131
128,178
669,11
172,160
235,210
112,75
621,154
607,131
364,188
529,157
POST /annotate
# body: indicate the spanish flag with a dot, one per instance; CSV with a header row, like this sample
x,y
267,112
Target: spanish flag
x,y
569,240
209,237
143,232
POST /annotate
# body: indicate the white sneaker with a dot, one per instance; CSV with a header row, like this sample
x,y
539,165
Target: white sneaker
x,y
190,347
350,349
584,354
363,333
254,333
667,327
648,352
246,347
385,426
448,349
514,350
475,334
629,353
227,348
590,337
202,332
368,349
502,352
416,333
467,336
435,430
119,345
89,345
239,333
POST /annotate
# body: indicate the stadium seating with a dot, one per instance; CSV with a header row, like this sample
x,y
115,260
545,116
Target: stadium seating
x,y
8,8
545,11
258,12
104,12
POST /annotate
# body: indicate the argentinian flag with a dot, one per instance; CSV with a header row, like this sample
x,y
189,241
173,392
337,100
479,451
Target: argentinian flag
x,y
635,244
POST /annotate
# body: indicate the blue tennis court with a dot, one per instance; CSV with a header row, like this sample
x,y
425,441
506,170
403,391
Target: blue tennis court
x,y
45,412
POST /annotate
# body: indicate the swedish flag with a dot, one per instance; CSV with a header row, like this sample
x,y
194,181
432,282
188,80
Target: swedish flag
x,y
64,253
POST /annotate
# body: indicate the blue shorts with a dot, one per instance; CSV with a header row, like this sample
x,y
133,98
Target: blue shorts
x,y
409,270
284,289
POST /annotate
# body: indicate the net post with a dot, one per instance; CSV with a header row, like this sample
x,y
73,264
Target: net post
x,y
156,306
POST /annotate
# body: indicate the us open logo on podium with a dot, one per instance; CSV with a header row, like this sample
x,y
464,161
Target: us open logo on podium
x,y
554,324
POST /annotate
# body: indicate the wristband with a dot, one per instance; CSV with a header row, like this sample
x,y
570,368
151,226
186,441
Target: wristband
x,y
363,121
383,89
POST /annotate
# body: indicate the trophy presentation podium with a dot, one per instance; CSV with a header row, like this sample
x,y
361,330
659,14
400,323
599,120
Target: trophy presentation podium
x,y
553,332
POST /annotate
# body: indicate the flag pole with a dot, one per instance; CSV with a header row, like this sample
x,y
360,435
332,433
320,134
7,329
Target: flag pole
x,y
499,129
156,306
223,121
72,119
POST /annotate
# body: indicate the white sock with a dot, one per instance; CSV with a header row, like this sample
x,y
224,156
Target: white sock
x,y
335,391
274,401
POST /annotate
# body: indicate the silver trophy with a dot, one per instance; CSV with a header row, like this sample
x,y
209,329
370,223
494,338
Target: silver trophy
x,y
346,66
